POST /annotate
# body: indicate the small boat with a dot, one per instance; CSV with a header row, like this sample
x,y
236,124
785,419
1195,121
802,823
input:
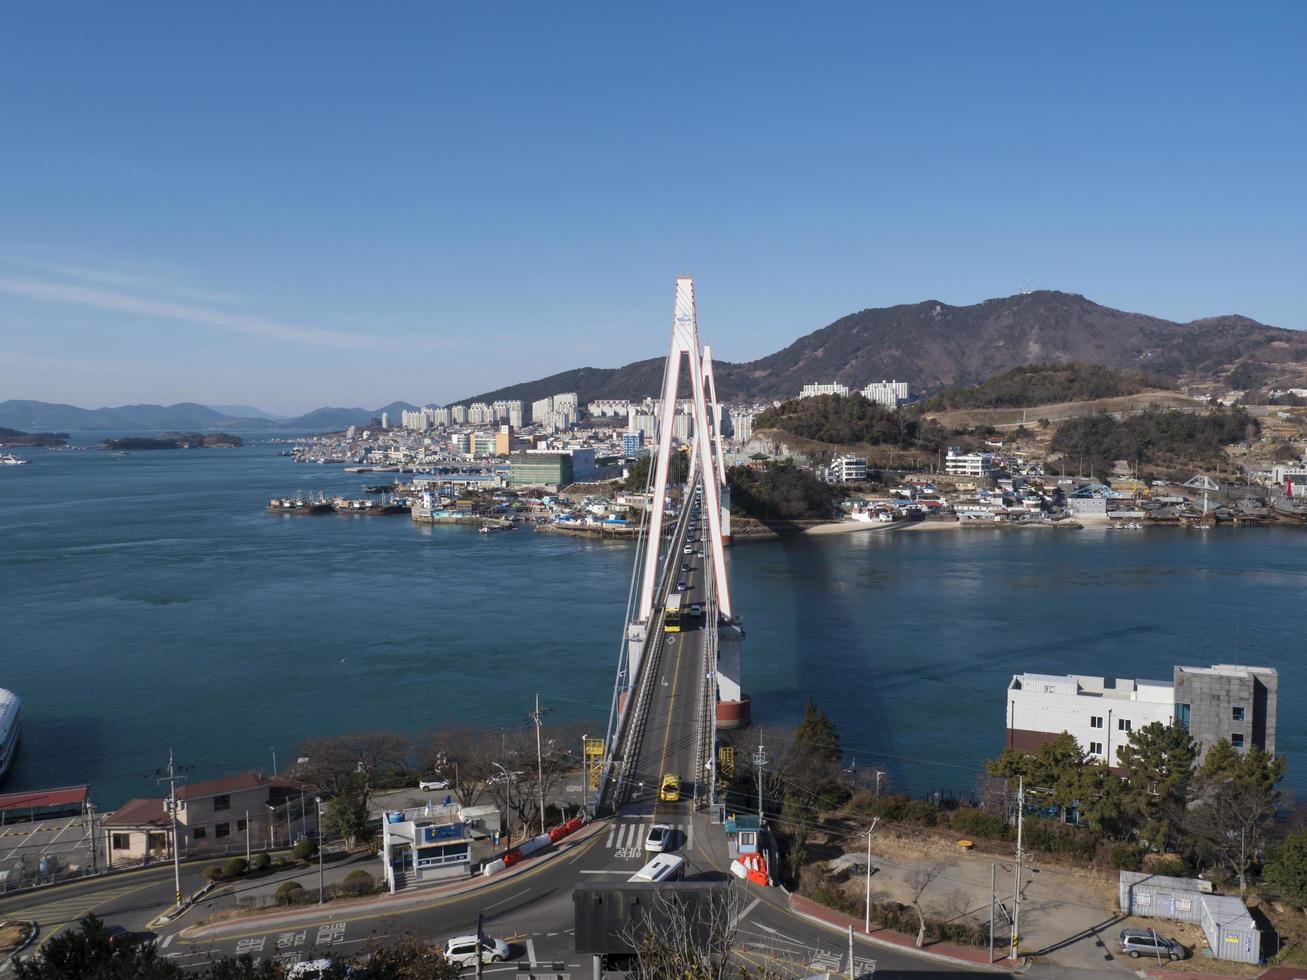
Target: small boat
x,y
9,460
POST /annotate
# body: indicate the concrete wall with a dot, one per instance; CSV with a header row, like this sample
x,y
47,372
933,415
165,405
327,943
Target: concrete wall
x,y
1213,695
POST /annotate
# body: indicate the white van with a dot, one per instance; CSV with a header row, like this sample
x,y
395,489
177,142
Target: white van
x,y
665,867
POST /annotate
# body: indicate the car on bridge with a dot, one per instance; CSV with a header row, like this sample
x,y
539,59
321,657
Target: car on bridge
x,y
670,789
659,838
696,609
682,586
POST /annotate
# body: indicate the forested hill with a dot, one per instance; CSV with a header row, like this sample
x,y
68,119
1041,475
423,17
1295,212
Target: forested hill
x,y
1045,384
935,346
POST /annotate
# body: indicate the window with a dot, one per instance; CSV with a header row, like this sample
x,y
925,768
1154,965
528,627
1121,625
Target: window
x,y
1183,904
121,842
1182,716
199,833
1095,748
222,802
222,830
1236,713
748,838
240,825
1095,721
1236,739
1123,724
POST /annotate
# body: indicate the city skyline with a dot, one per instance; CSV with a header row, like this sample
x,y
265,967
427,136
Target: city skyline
x,y
266,208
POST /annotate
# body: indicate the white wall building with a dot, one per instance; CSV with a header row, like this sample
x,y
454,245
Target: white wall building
x,y
608,408
812,390
891,394
958,463
848,469
1098,712
457,414
741,425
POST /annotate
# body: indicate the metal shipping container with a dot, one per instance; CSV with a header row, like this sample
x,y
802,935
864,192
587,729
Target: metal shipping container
x,y
1231,932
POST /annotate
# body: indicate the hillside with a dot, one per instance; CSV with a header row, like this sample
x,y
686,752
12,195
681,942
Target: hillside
x,y
935,346
1044,384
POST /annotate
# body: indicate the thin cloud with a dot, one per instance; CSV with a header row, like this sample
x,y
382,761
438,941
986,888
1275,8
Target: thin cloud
x,y
118,302
116,278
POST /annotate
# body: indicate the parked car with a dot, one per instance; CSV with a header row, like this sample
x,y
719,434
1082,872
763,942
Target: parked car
x,y
463,950
121,935
1146,942
659,838
433,784
308,970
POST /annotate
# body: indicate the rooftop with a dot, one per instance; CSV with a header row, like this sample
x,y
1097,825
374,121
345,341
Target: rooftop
x,y
238,783
138,813
1119,688
42,798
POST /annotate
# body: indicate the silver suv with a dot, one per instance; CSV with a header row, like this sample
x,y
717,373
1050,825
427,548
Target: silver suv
x,y
1145,942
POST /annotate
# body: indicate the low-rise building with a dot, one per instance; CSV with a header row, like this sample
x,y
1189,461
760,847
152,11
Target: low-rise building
x,y
958,463
1224,701
848,469
213,815
430,844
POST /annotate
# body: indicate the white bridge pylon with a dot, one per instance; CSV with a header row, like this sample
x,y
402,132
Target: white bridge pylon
x,y
708,454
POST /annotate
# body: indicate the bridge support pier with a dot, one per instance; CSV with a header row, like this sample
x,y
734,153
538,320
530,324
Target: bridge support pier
x,y
733,705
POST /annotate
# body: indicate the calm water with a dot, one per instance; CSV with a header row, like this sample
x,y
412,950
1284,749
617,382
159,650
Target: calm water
x,y
148,601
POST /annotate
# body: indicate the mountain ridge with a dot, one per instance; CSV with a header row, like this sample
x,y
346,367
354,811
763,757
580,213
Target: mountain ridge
x,y
28,415
935,346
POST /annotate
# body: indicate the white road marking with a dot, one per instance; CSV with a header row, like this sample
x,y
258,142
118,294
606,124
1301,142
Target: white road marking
x,y
167,940
747,909
602,871
509,899
531,951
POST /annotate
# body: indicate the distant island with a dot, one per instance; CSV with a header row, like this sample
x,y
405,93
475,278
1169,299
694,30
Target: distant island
x,y
12,437
176,440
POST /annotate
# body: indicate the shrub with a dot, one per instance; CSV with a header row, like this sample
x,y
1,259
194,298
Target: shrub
x,y
289,893
1127,856
262,861
358,882
235,867
305,849
978,823
1170,866
212,873
1052,837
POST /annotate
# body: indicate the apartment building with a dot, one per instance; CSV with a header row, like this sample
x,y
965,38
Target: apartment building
x,y
848,469
1237,703
813,390
958,463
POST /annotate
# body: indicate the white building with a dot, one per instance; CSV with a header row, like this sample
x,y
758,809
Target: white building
x,y
385,420
434,843
958,463
1099,713
645,423
440,416
741,425
891,394
457,414
812,390
479,413
848,469
1234,702
608,408
417,420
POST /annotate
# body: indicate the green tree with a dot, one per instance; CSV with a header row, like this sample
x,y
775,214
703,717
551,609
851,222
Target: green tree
x,y
817,757
1234,801
637,476
409,958
1287,868
86,953
1054,771
345,817
1158,760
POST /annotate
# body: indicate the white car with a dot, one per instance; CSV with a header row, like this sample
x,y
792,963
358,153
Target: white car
x,y
462,950
696,609
426,784
659,838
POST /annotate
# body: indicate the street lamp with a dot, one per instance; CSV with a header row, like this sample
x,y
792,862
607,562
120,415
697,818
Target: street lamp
x,y
322,888
508,800
272,826
866,925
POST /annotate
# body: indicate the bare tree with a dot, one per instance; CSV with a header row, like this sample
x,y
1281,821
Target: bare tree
x,y
921,878
687,936
348,765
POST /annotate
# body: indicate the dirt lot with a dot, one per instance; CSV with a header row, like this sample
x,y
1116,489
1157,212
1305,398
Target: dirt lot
x,y
1068,915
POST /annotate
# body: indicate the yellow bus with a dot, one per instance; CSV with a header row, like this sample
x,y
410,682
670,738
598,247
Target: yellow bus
x,y
672,613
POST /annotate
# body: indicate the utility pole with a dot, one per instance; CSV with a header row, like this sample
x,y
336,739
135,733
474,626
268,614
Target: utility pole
x,y
866,924
322,886
274,760
93,837
1016,887
172,809
760,763
247,836
540,765
852,973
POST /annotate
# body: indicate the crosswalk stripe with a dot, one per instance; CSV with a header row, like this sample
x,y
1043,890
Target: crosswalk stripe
x,y
612,832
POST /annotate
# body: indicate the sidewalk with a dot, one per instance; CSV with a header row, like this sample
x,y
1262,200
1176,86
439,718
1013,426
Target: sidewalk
x,y
941,952
404,901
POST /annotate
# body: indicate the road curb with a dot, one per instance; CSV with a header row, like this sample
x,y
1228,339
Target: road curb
x,y
12,958
403,902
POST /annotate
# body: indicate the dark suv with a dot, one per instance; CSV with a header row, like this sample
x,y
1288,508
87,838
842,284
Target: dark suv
x,y
1145,942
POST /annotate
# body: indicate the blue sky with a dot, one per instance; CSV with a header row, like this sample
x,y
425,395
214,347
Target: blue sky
x,y
299,204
